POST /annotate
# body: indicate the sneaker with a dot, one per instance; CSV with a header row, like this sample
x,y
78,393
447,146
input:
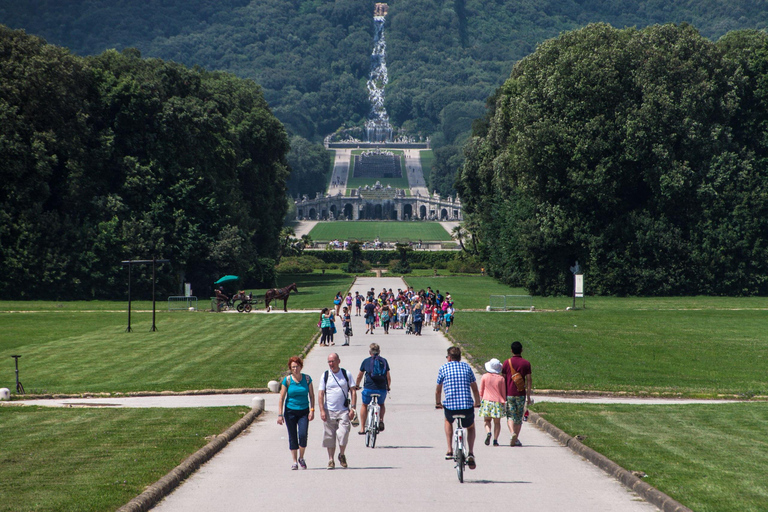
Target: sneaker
x,y
449,456
471,461
518,443
295,466
495,443
488,439
343,460
331,464
303,464
513,440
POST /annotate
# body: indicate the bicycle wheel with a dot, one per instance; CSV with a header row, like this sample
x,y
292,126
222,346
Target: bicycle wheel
x,y
374,433
460,461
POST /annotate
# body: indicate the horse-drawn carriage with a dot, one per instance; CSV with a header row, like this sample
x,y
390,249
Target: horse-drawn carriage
x,y
240,301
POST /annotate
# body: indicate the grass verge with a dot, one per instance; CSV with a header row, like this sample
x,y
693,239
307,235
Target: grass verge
x,y
90,352
56,459
686,353
711,458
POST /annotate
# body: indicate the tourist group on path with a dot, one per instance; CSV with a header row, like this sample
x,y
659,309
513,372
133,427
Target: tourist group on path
x,y
504,390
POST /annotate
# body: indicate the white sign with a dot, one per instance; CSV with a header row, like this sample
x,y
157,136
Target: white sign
x,y
578,285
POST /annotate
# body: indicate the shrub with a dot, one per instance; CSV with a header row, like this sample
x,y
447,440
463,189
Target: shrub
x,y
298,265
464,266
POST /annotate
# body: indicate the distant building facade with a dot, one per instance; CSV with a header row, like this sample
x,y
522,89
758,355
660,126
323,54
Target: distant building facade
x,y
379,203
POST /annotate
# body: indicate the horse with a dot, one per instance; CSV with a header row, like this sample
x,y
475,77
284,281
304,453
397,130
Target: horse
x,y
277,294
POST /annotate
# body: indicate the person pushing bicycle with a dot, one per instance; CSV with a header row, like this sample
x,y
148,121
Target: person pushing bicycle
x,y
458,382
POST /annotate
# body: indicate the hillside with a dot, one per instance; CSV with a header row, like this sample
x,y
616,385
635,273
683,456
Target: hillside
x,y
311,57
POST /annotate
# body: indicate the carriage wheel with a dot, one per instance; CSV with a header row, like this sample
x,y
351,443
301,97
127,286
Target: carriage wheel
x,y
240,307
248,308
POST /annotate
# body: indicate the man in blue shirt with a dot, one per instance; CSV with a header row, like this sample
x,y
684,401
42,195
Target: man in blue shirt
x,y
376,370
461,396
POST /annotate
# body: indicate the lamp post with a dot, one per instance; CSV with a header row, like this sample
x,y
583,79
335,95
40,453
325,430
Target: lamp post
x,y
19,387
130,263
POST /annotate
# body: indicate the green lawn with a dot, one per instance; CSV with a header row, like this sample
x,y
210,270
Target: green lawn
x,y
711,458
58,460
385,231
316,291
90,352
691,353
427,158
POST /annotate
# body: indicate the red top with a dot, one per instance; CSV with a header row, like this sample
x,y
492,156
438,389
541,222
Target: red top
x,y
520,365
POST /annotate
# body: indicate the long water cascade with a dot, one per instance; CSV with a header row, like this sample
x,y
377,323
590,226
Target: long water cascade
x,y
377,127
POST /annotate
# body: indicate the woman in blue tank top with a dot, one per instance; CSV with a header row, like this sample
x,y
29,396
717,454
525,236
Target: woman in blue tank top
x,y
296,409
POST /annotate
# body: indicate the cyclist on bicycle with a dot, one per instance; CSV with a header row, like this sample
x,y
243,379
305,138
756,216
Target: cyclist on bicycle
x,y
458,381
377,381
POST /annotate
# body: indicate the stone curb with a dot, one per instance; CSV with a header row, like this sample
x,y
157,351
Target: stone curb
x,y
642,489
163,487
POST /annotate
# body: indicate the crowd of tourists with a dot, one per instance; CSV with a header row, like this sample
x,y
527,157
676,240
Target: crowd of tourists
x,y
504,391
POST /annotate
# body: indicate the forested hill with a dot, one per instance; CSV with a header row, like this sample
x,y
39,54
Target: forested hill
x,y
445,57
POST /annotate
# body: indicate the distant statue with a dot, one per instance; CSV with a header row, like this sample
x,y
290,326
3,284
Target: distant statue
x,y
576,269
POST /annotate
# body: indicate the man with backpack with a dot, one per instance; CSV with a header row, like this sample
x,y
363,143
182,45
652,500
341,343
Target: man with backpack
x,y
338,399
377,380
517,375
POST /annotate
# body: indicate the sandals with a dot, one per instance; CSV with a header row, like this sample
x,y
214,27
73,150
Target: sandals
x,y
449,456
471,461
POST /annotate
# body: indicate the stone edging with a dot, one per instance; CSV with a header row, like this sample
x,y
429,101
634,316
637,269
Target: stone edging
x,y
642,489
163,487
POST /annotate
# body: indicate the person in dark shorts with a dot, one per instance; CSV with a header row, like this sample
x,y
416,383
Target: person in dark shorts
x,y
516,400
377,380
458,382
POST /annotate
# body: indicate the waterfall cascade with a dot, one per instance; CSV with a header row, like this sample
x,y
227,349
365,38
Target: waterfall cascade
x,y
377,127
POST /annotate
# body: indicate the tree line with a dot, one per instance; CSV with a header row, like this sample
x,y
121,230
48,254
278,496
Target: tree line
x,y
115,157
312,57
641,153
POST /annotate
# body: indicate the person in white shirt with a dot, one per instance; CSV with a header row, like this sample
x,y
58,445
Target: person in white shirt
x,y
338,399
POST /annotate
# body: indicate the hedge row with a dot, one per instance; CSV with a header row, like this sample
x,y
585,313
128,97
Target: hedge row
x,y
428,258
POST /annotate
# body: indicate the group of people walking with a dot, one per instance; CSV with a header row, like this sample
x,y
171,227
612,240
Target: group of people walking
x,y
337,400
504,390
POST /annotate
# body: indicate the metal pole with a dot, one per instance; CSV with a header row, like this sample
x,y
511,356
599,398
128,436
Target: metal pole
x,y
129,298
19,389
154,328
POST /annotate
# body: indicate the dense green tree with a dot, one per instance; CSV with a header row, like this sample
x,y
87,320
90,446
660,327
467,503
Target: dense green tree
x,y
617,148
310,166
116,157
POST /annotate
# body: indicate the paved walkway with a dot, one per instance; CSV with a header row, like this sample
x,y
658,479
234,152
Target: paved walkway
x,y
338,185
406,470
415,173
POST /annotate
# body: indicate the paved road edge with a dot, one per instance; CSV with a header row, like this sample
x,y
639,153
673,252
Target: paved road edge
x,y
163,487
645,491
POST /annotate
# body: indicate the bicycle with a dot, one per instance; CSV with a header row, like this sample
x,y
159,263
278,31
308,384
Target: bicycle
x,y
372,421
460,450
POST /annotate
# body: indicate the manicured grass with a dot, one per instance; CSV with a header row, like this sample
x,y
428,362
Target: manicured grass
x,y
83,305
90,352
711,458
468,292
56,459
386,231
686,352
427,158
316,290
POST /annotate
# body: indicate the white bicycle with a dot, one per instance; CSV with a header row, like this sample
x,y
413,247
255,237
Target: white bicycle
x,y
460,449
372,421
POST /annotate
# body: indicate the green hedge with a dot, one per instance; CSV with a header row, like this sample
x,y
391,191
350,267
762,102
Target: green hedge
x,y
430,259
